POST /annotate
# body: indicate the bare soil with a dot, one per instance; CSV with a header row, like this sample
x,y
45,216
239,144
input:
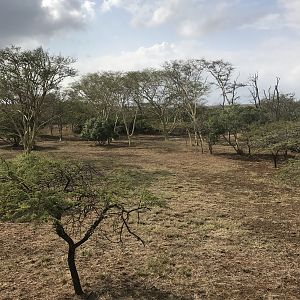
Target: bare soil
x,y
230,231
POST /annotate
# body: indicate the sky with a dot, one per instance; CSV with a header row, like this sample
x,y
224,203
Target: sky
x,y
254,35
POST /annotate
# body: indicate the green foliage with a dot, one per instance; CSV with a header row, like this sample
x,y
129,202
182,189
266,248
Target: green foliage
x,y
284,107
35,188
278,136
100,131
290,172
8,132
236,118
212,128
74,197
39,188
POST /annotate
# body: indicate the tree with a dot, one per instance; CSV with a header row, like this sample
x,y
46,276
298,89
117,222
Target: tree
x,y
276,138
77,113
212,129
254,90
222,73
56,109
156,88
100,90
128,102
26,78
274,105
74,197
191,88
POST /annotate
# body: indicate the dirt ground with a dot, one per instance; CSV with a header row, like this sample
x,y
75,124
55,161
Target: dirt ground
x,y
230,231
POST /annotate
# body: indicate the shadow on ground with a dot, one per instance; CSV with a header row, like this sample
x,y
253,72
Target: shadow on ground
x,y
130,288
261,157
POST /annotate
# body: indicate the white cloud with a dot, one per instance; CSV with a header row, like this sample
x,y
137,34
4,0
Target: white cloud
x,y
192,18
285,16
161,15
64,9
107,5
141,58
189,17
36,20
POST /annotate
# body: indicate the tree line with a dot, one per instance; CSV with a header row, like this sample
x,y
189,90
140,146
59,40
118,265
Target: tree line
x,y
169,100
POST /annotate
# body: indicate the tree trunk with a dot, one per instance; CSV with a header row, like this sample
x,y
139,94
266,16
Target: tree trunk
x,y
165,131
275,158
73,270
60,126
196,138
190,137
201,142
210,148
28,142
129,140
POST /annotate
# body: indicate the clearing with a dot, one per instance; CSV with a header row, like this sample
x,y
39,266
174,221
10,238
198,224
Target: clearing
x,y
230,231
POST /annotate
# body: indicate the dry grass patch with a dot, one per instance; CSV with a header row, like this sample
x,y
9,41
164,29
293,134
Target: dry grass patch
x,y
230,231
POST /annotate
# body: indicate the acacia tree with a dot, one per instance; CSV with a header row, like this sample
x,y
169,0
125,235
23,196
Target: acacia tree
x,y
191,87
222,73
254,90
212,129
128,102
56,108
100,90
74,197
26,78
156,88
276,138
274,105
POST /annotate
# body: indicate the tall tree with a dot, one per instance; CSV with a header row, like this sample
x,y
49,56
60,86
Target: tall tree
x,y
222,73
128,102
156,88
191,88
100,90
26,78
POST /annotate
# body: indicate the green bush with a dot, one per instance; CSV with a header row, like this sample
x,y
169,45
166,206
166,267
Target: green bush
x,y
99,131
290,172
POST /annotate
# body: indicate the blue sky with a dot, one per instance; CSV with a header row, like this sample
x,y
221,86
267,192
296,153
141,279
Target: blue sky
x,y
255,35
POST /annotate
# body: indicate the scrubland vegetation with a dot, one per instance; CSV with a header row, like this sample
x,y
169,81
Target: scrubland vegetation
x,y
131,186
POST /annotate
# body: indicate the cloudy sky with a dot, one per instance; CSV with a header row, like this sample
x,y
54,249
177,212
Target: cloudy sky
x,y
255,35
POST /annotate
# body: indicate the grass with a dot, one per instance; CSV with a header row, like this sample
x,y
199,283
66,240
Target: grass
x,y
230,231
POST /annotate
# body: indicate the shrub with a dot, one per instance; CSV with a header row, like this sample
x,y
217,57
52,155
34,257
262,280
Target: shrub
x,y
99,131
